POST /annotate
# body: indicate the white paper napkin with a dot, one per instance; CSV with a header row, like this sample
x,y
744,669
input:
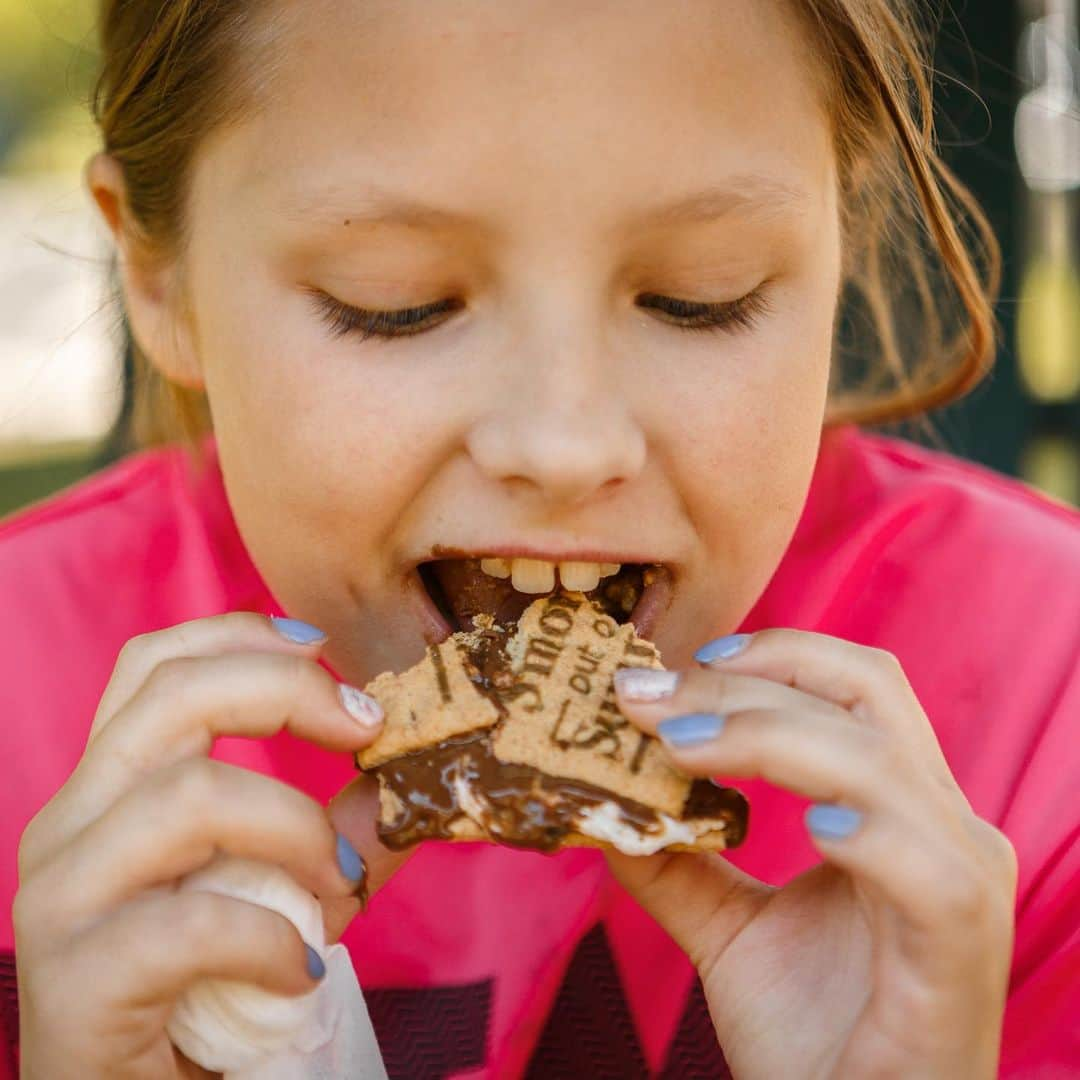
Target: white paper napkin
x,y
250,1034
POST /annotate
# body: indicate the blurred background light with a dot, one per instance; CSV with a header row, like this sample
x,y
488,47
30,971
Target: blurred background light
x,y
60,373
1047,135
60,384
1047,123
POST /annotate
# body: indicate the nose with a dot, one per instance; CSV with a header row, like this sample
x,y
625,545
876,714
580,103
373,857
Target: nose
x,y
562,430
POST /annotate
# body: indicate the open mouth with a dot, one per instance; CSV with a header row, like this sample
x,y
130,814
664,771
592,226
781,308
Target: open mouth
x,y
461,588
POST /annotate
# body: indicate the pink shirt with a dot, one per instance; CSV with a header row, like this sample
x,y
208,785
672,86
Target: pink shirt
x,y
479,961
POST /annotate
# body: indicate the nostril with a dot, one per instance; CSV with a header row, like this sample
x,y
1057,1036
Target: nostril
x,y
567,455
609,487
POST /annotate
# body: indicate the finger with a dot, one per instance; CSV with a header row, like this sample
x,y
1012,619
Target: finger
x,y
849,675
238,631
701,900
353,813
870,683
749,726
174,823
936,881
187,703
647,696
151,950
827,756
184,706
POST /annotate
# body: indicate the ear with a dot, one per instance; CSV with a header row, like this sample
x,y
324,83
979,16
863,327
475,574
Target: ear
x,y
153,297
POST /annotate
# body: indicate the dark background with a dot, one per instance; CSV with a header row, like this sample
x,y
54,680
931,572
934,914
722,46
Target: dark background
x,y
999,424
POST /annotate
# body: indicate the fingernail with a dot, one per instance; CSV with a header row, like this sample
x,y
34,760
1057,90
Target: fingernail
x,y
723,648
830,822
645,684
299,633
363,709
691,729
315,966
352,865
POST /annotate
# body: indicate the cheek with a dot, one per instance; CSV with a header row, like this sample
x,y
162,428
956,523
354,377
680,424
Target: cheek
x,y
745,430
318,440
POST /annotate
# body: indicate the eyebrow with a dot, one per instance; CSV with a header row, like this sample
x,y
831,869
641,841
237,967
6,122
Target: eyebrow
x,y
752,194
749,193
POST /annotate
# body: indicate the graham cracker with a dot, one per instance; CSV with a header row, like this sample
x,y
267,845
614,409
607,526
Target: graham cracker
x,y
431,702
561,715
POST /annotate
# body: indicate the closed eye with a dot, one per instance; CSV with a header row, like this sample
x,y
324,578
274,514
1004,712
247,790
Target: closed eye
x,y
344,319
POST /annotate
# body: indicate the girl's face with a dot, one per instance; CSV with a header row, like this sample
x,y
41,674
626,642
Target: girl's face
x,y
563,184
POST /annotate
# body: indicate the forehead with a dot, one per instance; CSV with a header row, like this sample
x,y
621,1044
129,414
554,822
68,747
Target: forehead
x,y
506,109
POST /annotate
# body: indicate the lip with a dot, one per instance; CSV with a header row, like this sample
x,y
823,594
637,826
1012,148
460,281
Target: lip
x,y
655,599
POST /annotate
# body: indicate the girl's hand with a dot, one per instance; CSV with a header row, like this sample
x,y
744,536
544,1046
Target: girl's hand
x,y
892,957
105,944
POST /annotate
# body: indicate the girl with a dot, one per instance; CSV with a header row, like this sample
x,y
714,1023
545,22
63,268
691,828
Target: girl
x,y
554,283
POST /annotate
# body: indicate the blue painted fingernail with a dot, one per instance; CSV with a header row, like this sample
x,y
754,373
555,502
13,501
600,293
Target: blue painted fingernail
x,y
315,966
723,648
830,822
690,729
299,633
348,858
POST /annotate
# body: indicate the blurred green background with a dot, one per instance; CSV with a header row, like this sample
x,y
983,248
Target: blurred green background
x,y
47,65
62,378
52,269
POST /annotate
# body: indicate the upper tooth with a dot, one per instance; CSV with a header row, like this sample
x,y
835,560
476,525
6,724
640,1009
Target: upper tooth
x,y
538,575
579,576
533,575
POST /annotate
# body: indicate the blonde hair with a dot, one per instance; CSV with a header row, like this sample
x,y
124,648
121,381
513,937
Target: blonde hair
x,y
921,264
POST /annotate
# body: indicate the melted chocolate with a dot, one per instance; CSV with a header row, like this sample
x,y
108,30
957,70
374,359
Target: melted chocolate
x,y
489,666
524,807
708,800
618,595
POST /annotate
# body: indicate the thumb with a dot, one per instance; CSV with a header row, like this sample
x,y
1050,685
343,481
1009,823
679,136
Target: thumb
x,y
700,899
353,812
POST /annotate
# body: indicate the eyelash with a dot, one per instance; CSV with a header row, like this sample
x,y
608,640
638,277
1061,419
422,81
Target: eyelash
x,y
729,317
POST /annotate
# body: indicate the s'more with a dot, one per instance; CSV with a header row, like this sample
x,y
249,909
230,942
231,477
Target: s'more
x,y
512,734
